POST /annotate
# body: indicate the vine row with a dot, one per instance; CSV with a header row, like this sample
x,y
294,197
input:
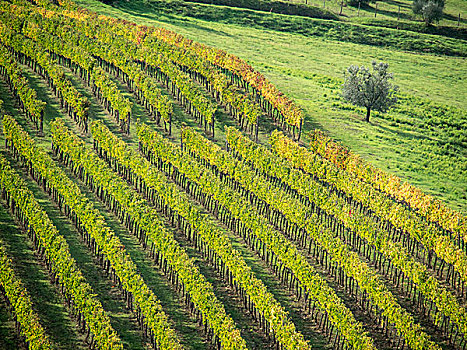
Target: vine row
x,y
135,212
431,208
272,246
26,319
102,240
28,52
202,231
54,249
303,225
19,86
428,239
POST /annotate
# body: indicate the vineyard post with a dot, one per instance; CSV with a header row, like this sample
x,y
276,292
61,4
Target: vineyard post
x,y
342,4
358,12
300,129
212,118
376,8
41,128
128,124
459,20
170,124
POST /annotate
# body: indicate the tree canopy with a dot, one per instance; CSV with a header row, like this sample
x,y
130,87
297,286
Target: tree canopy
x,y
370,89
430,10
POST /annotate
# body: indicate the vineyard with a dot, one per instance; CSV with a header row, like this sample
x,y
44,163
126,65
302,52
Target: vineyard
x,y
157,193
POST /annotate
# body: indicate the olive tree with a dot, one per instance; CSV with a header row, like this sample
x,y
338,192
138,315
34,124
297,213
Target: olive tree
x,y
370,89
430,10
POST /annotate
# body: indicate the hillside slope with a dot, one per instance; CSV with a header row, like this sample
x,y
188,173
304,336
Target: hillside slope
x,y
422,139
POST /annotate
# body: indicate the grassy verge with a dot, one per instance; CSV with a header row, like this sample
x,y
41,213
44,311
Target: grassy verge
x,y
455,32
389,10
282,7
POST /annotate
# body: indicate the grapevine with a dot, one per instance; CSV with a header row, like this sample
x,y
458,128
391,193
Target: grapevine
x,y
157,187
133,209
273,244
59,261
105,243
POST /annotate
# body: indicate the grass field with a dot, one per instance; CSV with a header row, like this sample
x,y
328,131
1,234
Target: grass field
x,y
310,70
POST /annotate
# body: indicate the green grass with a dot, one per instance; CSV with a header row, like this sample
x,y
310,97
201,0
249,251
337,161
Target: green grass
x,y
330,30
387,13
276,6
310,70
389,10
9,339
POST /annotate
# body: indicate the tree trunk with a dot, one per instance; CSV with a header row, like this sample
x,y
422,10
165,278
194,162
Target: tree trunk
x,y
368,110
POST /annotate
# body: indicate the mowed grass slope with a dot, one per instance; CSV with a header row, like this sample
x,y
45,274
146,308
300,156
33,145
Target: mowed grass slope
x,y
422,139
397,11
390,14
392,10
